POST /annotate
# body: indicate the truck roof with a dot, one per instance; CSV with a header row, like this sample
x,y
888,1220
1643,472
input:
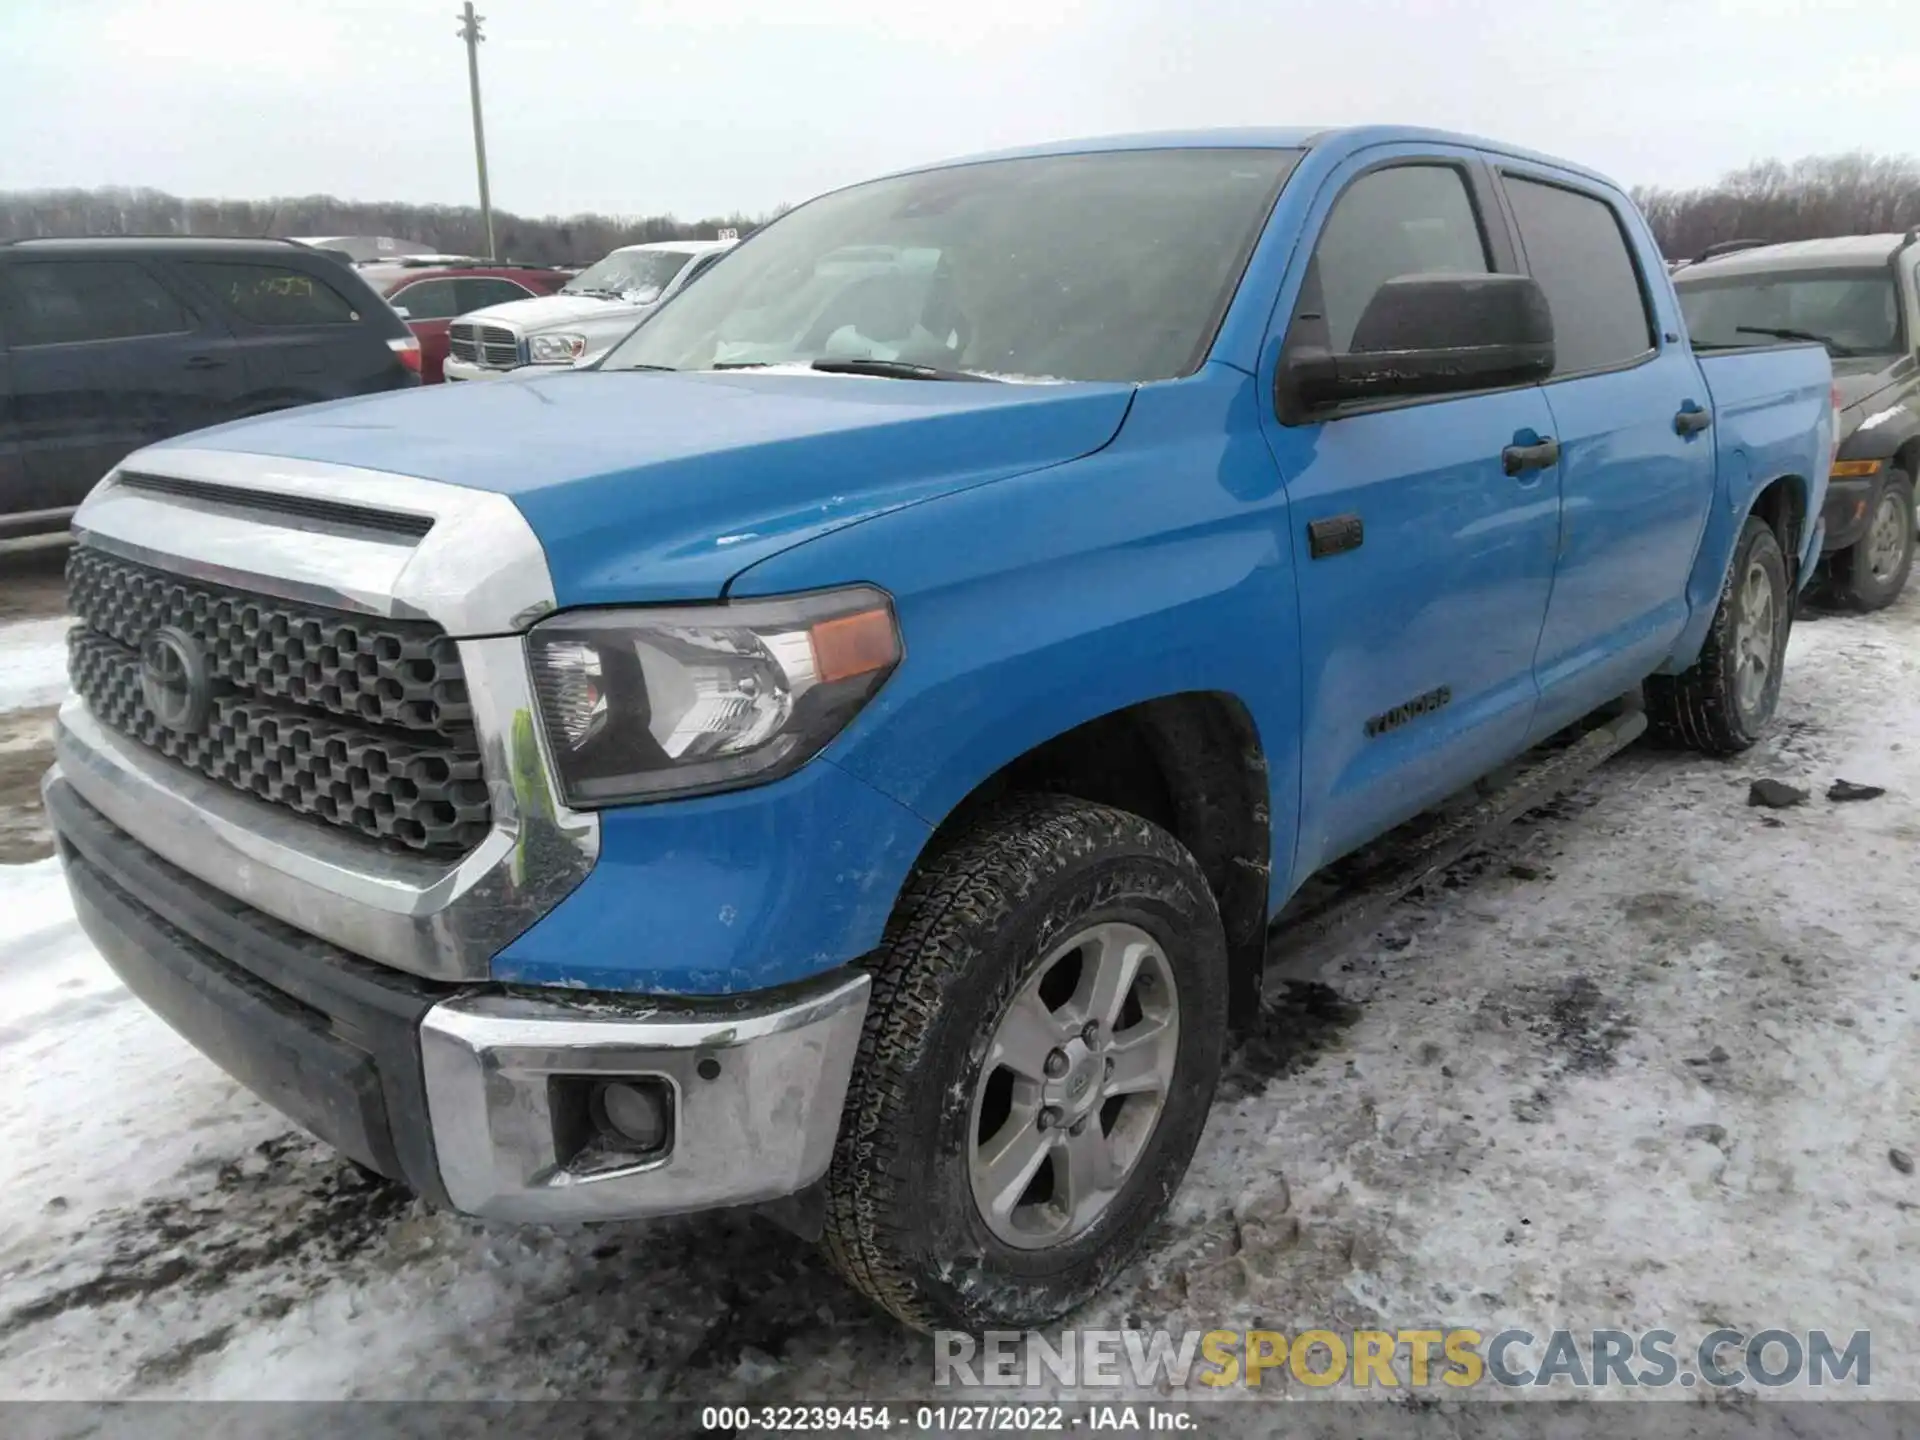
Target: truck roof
x,y
1283,137
147,244
1838,252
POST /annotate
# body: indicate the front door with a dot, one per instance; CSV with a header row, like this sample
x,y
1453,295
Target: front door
x,y
1424,567
105,358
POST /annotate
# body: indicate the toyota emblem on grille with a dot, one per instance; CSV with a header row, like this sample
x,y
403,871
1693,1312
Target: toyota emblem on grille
x,y
175,681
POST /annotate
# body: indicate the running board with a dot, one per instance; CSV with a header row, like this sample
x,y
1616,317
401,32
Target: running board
x,y
1348,900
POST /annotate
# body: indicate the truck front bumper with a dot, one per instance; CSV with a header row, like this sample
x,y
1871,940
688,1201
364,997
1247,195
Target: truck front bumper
x,y
1849,504
456,370
475,1096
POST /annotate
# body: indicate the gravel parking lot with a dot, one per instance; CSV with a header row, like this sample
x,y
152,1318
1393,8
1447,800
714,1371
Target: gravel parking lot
x,y
1647,1065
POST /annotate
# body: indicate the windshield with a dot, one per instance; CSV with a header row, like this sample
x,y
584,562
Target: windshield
x,y
1114,266
1851,312
636,275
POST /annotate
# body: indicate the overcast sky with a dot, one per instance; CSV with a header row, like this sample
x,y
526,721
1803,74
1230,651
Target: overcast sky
x,y
699,107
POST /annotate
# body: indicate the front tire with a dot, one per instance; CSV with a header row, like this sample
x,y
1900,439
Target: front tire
x,y
1723,703
1871,573
1039,1055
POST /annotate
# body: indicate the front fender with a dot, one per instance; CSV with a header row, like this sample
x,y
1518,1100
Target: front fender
x,y
1031,605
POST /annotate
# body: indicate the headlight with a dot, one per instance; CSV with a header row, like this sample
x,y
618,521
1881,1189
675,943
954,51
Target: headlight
x,y
556,349
641,704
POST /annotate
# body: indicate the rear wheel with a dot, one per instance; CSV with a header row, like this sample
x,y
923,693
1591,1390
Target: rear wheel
x,y
1870,574
1038,1059
1723,702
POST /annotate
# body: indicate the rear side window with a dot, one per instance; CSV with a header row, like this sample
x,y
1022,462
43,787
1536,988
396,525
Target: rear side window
x,y
1580,258
481,291
58,302
272,295
1407,220
429,300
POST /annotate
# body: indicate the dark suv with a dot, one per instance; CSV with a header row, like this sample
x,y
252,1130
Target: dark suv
x,y
109,344
1859,295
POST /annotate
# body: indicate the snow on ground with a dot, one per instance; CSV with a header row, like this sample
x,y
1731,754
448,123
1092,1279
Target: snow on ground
x,y
33,663
1640,1068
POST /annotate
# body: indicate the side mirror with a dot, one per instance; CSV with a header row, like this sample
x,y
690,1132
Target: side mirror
x,y
1426,335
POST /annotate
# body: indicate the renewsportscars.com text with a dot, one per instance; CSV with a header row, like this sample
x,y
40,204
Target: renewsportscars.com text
x,y
1411,1359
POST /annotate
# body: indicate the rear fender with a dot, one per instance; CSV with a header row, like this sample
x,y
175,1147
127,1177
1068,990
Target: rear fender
x,y
1734,504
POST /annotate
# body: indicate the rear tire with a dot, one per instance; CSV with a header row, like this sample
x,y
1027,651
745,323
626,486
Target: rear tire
x,y
937,1113
1722,703
1871,573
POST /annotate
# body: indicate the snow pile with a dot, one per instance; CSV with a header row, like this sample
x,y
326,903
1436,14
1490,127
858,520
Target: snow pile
x,y
33,663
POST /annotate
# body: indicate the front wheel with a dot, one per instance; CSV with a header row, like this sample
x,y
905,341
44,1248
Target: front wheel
x,y
1039,1055
1870,574
1724,701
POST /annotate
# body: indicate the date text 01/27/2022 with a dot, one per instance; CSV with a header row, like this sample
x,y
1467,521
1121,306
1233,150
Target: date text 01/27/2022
x,y
940,1419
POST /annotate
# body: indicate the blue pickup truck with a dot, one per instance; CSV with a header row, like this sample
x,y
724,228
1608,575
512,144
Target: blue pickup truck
x,y
845,753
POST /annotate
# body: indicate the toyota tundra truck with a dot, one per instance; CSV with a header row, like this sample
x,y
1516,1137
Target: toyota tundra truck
x,y
847,753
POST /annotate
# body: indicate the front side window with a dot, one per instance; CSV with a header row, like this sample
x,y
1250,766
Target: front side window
x,y
272,295
635,276
1406,220
1851,312
429,300
481,291
1579,256
57,302
1102,266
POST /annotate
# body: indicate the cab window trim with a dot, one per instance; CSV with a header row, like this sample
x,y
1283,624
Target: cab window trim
x,y
1657,344
1497,240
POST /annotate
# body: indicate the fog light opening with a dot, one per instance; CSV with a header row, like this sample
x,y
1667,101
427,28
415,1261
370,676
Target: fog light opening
x,y
635,1116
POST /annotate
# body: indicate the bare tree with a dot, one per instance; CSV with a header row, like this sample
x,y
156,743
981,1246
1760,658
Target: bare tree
x,y
1855,194
450,229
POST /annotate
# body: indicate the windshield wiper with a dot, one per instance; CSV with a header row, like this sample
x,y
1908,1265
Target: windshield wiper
x,y
599,290
1845,352
896,370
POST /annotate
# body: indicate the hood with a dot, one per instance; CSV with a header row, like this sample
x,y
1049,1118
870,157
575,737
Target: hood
x,y
652,487
1859,380
543,311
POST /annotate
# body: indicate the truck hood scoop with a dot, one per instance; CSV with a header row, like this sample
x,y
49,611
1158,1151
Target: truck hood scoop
x,y
649,486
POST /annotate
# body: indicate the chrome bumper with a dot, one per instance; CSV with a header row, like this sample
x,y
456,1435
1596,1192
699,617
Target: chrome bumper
x,y
470,370
757,1088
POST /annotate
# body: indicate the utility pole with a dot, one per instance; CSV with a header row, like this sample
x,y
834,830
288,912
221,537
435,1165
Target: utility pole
x,y
470,32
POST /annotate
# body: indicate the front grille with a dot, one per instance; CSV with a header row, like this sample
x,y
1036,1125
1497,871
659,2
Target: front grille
x,y
358,721
494,346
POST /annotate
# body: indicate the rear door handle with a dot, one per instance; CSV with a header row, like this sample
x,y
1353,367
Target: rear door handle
x,y
204,362
1518,459
1691,420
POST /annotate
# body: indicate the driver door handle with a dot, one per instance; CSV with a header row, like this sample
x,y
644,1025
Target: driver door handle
x,y
1518,459
1691,420
204,362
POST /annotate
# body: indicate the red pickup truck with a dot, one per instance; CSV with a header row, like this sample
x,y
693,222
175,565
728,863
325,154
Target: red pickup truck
x,y
429,291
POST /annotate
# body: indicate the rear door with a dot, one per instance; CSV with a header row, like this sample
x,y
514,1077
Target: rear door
x,y
1423,566
304,337
105,357
1633,418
